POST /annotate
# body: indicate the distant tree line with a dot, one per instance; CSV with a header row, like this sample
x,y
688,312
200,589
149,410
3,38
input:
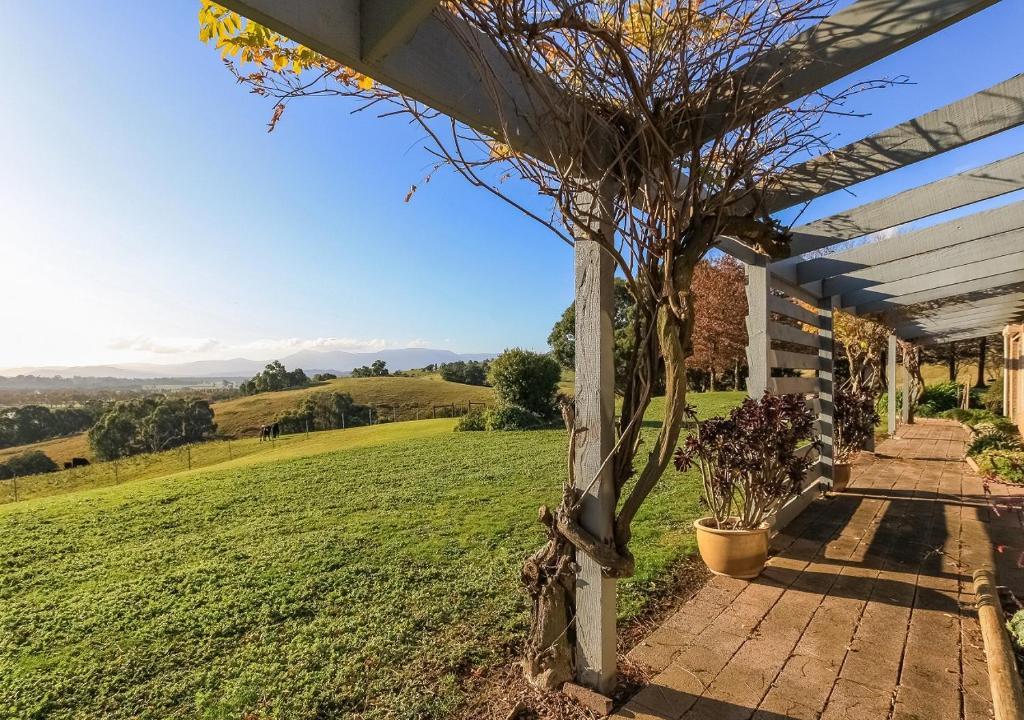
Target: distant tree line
x,y
150,424
324,411
34,423
467,372
274,377
378,368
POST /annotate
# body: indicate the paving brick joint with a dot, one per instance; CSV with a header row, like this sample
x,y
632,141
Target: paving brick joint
x,y
865,610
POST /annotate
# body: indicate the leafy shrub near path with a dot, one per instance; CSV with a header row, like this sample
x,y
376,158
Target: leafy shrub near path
x,y
992,398
938,398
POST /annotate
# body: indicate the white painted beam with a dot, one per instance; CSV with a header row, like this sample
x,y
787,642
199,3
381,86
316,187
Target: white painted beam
x,y
973,118
842,43
432,66
985,269
970,227
955,255
907,314
387,24
932,294
982,183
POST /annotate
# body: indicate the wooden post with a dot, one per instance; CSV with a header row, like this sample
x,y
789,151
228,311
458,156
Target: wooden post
x,y
595,411
891,382
905,407
1006,372
826,385
758,343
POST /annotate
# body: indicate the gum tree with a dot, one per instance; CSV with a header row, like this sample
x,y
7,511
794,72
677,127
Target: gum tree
x,y
656,130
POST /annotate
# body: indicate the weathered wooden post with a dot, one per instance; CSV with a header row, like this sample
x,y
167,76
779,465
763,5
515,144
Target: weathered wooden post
x,y
758,342
595,411
1006,371
905,406
891,383
826,387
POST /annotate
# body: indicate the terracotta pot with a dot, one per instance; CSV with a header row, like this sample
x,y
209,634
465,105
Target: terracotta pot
x,y
840,476
736,553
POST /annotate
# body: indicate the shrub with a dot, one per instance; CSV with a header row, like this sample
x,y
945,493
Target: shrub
x,y
1008,465
748,461
473,421
1016,628
994,440
527,379
28,463
324,410
507,416
992,398
855,420
938,398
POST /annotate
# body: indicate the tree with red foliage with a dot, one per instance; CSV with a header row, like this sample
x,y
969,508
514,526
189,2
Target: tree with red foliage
x,y
720,310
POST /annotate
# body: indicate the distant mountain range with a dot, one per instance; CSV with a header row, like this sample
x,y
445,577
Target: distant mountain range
x,y
312,361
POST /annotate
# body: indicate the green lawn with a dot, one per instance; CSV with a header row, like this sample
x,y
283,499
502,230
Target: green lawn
x,y
358,579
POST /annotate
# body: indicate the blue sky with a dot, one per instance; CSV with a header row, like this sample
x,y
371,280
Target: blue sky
x,y
145,213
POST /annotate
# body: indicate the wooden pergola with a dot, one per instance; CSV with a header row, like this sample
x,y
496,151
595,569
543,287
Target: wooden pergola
x,y
957,280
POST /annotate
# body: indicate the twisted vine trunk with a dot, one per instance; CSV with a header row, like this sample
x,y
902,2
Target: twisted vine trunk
x,y
549,574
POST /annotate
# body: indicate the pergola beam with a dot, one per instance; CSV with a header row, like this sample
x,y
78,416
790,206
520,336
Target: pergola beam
x,y
953,256
387,24
841,44
987,268
957,337
1005,315
877,302
973,118
982,183
798,270
957,306
961,319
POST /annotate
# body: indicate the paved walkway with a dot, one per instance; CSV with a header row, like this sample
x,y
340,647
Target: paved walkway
x,y
866,610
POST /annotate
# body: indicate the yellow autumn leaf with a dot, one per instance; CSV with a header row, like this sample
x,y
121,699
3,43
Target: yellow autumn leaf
x,y
365,83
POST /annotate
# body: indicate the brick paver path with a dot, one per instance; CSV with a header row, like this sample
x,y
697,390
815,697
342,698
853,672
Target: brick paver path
x,y
865,611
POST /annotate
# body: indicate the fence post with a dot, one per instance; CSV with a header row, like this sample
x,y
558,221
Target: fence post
x,y
14,479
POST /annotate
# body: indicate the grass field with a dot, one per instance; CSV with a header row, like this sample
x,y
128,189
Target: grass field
x,y
300,581
242,417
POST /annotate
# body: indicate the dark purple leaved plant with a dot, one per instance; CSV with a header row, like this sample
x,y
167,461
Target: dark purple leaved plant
x,y
752,461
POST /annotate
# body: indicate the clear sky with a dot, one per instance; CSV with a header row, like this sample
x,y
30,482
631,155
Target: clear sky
x,y
146,215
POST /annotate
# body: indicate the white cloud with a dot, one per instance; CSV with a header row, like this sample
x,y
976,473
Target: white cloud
x,y
209,348
165,346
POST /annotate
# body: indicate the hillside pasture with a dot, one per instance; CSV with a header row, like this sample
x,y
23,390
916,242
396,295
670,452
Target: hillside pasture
x,y
363,581
216,454
244,415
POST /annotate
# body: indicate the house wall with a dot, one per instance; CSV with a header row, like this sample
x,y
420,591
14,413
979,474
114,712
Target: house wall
x,y
1013,374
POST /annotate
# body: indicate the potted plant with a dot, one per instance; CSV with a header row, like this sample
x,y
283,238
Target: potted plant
x,y
854,418
750,464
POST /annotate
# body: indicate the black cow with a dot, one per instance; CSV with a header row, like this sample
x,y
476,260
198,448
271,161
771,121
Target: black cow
x,y
264,432
79,462
68,466
275,430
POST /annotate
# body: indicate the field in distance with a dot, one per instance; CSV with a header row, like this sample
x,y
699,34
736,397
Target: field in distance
x,y
243,416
